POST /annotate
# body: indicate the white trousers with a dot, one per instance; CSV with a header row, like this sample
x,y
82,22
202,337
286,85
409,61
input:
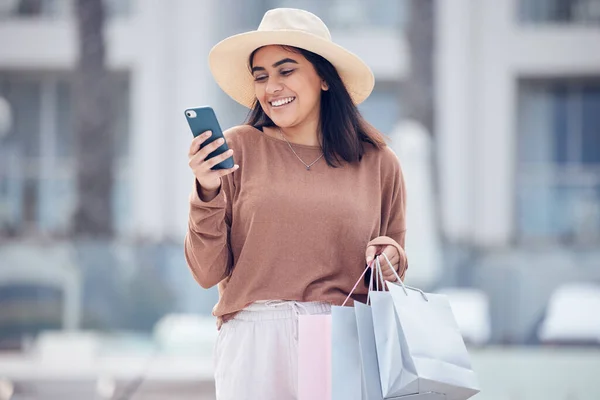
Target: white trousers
x,y
256,353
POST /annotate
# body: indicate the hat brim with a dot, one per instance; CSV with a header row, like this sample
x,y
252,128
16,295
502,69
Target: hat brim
x,y
228,61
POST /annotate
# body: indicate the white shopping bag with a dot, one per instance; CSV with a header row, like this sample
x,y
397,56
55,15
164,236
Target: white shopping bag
x,y
388,339
371,385
348,326
346,372
433,355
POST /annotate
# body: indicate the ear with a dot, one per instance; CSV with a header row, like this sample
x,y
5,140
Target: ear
x,y
324,86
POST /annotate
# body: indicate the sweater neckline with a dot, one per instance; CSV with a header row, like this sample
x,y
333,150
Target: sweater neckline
x,y
295,145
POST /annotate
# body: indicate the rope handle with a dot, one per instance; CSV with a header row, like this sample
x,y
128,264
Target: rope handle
x,y
371,287
399,281
357,282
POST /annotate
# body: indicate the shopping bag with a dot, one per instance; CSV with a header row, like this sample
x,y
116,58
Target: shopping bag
x,y
346,371
394,379
434,357
348,378
329,365
371,384
422,396
314,357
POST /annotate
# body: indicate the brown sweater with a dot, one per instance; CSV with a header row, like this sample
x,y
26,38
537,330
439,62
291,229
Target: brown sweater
x,y
286,233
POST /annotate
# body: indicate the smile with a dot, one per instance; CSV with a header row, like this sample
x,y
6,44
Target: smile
x,y
282,102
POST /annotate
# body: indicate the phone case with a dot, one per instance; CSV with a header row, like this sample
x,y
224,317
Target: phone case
x,y
201,119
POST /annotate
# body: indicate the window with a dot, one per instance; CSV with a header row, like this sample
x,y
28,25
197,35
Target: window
x,y
37,160
560,11
558,174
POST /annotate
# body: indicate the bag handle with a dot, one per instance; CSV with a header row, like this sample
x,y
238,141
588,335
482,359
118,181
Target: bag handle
x,y
357,282
380,274
404,287
379,271
371,287
375,273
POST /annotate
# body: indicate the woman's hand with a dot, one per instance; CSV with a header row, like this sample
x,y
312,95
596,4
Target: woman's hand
x,y
209,180
392,254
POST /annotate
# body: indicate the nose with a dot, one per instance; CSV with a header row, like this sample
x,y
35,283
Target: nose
x,y
273,86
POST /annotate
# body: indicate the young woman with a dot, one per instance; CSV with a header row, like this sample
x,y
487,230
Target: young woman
x,y
314,195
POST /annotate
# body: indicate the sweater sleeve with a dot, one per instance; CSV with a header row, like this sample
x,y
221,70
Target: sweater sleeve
x,y
207,247
396,240
393,209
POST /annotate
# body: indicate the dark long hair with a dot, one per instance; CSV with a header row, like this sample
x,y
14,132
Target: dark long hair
x,y
345,132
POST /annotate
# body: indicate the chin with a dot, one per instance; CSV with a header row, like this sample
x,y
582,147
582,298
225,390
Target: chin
x,y
282,122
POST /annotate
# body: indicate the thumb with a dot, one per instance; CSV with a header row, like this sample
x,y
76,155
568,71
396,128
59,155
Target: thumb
x,y
370,253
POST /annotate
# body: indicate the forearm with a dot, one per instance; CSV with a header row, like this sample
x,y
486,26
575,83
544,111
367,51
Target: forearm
x,y
206,245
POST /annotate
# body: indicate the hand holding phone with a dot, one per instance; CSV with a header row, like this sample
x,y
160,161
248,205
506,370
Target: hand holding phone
x,y
209,156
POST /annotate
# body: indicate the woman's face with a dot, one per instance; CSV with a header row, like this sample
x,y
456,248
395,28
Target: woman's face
x,y
287,86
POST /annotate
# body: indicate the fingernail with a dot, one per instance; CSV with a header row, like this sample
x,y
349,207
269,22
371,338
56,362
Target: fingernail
x,y
208,133
369,259
220,141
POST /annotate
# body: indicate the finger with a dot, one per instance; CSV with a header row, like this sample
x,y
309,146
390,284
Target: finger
x,y
223,172
370,253
201,155
217,159
388,274
401,262
390,277
196,159
197,141
399,259
390,260
385,266
209,148
392,254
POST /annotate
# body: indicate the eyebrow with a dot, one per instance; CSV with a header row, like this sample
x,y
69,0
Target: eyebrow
x,y
277,64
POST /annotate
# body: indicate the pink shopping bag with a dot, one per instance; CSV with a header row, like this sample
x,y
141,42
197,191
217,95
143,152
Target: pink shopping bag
x,y
314,357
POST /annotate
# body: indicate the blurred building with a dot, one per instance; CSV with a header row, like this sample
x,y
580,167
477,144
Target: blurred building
x,y
517,144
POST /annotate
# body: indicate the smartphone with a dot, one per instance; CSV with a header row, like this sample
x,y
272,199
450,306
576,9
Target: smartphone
x,y
202,119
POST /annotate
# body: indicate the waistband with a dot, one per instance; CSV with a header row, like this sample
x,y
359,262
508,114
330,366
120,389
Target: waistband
x,y
280,309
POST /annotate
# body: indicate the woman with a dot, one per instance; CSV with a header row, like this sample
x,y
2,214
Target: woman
x,y
315,195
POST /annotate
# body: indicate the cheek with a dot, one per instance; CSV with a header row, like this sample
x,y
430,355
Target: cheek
x,y
310,93
259,92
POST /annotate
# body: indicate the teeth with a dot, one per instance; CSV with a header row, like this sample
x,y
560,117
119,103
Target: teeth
x,y
281,102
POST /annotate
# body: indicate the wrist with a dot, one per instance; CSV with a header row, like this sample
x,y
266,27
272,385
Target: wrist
x,y
206,194
206,191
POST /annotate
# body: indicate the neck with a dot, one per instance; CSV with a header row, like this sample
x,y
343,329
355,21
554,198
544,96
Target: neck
x,y
306,133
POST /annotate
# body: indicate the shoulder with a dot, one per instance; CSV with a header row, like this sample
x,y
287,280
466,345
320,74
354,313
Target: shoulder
x,y
240,132
241,136
389,159
384,158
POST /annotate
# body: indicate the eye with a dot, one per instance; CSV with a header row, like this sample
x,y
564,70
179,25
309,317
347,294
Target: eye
x,y
286,72
260,78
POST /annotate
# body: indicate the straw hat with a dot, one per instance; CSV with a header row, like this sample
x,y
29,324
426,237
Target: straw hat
x,y
228,60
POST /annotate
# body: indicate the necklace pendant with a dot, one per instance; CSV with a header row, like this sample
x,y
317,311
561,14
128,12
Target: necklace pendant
x,y
308,168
